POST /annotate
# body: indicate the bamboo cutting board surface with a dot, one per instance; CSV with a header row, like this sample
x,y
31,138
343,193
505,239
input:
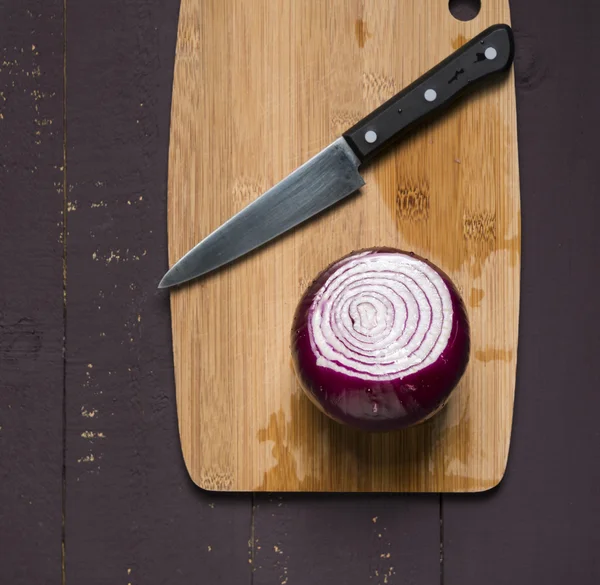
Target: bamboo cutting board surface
x,y
259,87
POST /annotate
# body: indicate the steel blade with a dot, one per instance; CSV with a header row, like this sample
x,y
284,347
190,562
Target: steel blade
x,y
325,179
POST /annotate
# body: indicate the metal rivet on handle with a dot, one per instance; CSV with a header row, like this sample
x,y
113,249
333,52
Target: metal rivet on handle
x,y
370,136
430,95
491,53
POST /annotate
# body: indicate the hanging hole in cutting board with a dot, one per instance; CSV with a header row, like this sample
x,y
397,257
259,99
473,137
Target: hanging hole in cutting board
x,y
464,10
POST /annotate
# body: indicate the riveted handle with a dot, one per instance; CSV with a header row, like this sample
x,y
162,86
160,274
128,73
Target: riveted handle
x,y
490,52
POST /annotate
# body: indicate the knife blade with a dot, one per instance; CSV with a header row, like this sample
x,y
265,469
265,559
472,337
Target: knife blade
x,y
333,174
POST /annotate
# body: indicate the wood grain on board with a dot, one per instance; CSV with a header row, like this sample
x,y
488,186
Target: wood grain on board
x,y
259,87
132,514
31,290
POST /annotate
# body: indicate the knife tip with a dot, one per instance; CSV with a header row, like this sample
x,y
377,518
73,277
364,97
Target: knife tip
x,y
166,281
174,277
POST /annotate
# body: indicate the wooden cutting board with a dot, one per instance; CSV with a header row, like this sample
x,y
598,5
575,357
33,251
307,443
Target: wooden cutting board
x,y
259,87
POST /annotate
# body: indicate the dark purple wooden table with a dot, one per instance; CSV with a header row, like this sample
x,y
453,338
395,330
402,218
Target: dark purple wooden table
x,y
92,485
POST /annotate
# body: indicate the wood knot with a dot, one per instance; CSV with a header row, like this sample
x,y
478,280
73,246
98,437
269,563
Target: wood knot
x,y
378,88
480,227
304,282
341,120
247,190
190,44
476,297
412,203
362,33
458,42
215,479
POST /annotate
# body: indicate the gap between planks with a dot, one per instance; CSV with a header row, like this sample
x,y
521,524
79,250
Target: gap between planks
x,y
64,292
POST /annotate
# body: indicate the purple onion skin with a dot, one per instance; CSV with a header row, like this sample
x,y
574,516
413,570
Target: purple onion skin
x,y
401,402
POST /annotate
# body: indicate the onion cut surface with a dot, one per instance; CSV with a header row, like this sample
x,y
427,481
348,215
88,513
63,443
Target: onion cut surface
x,y
380,339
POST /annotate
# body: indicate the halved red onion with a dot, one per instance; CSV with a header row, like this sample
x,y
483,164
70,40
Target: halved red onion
x,y
380,339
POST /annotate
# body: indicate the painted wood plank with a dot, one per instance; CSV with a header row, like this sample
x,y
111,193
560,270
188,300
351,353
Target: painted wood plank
x,y
351,539
133,515
541,524
31,294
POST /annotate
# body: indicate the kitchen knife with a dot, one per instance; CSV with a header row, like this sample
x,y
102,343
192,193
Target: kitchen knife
x,y
332,174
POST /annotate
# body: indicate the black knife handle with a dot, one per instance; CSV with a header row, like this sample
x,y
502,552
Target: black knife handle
x,y
492,51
